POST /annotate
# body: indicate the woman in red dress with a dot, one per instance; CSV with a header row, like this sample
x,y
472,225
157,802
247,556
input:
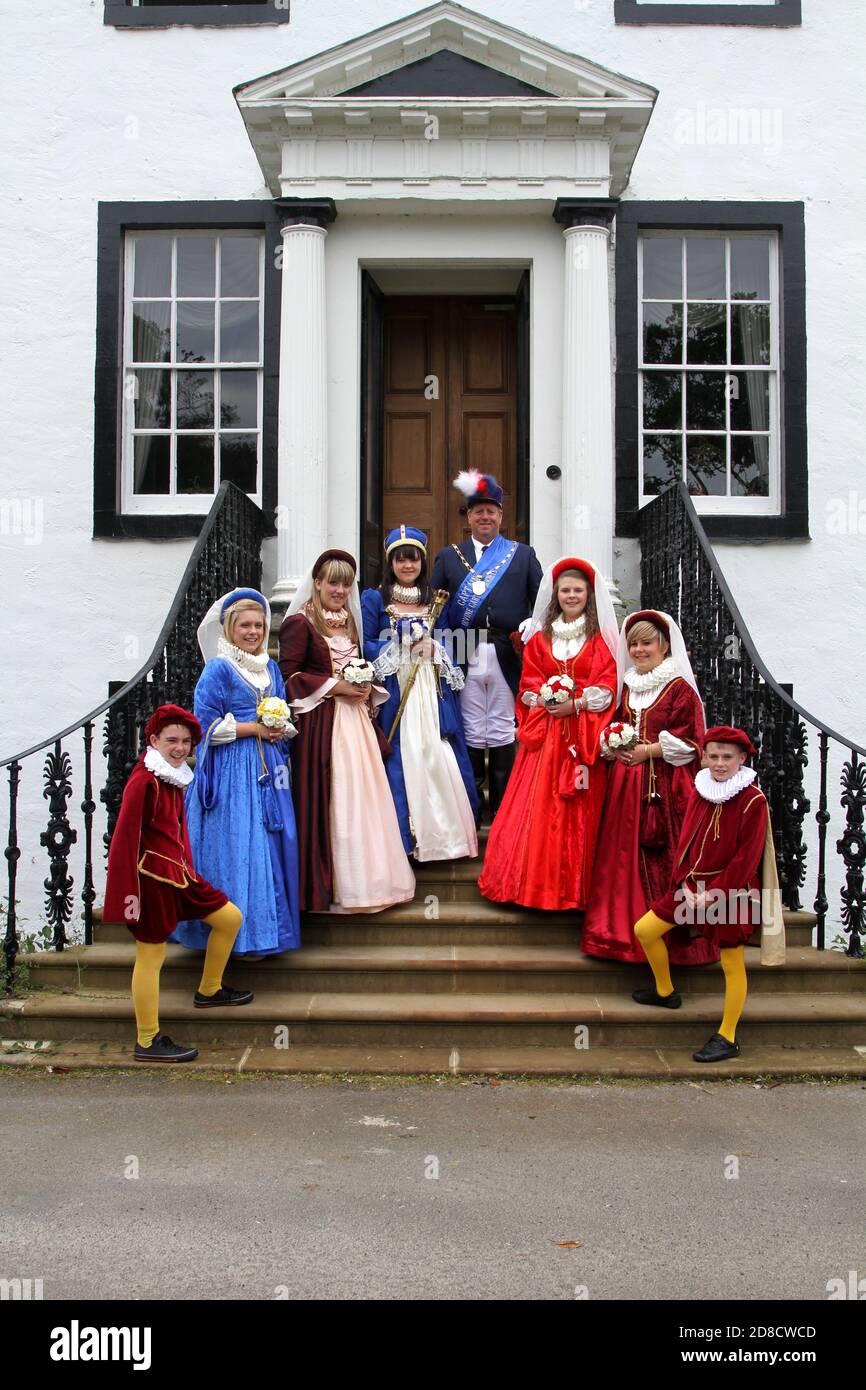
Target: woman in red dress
x,y
542,841
648,788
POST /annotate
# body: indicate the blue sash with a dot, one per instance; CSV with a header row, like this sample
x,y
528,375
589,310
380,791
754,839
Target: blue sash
x,y
465,603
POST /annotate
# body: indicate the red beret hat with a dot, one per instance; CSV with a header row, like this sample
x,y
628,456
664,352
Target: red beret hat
x,y
571,562
724,733
172,714
327,555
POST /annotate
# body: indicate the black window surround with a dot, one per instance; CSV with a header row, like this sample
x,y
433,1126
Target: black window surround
x,y
122,15
115,220
784,14
787,220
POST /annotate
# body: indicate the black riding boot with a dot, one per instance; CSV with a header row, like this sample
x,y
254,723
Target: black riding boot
x,y
479,772
501,763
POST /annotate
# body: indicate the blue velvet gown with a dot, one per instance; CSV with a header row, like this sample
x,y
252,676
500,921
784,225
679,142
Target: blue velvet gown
x,y
377,635
242,832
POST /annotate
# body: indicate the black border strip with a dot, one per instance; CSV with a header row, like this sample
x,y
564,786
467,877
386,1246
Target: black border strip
x,y
788,220
124,16
785,14
115,219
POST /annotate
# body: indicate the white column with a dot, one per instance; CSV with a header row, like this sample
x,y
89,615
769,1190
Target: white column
x,y
587,420
302,439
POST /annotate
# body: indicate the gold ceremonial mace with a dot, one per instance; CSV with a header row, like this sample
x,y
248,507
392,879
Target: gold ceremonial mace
x,y
442,597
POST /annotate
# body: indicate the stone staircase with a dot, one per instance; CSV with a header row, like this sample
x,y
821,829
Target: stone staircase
x,y
446,984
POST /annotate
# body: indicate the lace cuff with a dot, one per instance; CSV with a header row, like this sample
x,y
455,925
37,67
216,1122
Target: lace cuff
x,y
675,750
387,663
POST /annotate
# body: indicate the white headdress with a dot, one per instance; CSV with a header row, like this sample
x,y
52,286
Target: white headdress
x,y
211,627
678,649
603,602
305,591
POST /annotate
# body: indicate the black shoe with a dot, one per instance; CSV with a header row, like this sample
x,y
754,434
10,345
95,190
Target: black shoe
x,y
501,763
662,1001
718,1049
223,999
162,1049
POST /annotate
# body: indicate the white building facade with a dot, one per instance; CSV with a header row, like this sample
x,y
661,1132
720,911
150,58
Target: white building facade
x,y
333,253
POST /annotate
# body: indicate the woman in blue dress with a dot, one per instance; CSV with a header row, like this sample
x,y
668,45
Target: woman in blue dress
x,y
239,806
430,774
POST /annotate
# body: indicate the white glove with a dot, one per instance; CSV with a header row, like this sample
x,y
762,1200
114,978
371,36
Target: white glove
x,y
522,628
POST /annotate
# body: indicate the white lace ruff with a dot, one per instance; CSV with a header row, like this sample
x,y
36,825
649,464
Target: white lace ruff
x,y
714,791
640,682
162,768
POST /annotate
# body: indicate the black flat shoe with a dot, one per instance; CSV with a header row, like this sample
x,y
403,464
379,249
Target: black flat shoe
x,y
224,998
661,1001
162,1049
718,1049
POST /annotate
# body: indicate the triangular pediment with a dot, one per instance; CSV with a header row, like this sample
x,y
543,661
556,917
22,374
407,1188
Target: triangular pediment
x,y
446,74
445,27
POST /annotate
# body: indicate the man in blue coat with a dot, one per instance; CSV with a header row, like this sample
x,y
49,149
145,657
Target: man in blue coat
x,y
493,583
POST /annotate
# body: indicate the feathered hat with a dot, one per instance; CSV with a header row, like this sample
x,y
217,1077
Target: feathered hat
x,y
478,487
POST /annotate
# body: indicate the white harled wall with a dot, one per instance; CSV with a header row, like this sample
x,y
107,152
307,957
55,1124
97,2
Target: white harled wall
x,y
92,113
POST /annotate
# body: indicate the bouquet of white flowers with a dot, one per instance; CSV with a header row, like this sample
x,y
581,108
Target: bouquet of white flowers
x,y
557,690
357,671
274,713
619,735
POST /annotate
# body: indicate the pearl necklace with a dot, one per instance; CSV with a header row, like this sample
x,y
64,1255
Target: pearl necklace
x,y
560,628
402,594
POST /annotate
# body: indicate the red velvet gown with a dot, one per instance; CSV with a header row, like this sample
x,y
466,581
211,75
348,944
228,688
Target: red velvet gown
x,y
541,846
627,878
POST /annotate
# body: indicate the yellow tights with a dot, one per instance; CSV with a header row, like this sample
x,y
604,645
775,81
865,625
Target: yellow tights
x,y
149,956
650,931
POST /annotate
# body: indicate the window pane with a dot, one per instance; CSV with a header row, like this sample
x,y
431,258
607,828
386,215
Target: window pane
x,y
152,399
239,271
750,333
196,265
151,332
707,473
662,268
152,463
750,268
705,333
750,400
152,256
239,461
239,332
239,399
195,405
750,465
663,332
195,469
705,401
195,332
662,462
705,267
662,400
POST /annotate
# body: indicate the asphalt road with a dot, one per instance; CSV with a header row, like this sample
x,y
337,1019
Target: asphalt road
x,y
169,1187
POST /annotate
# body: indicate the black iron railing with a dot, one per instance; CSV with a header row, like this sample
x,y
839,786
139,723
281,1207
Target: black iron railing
x,y
227,553
680,574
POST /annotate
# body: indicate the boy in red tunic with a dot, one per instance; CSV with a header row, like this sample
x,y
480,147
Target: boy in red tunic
x,y
715,886
152,884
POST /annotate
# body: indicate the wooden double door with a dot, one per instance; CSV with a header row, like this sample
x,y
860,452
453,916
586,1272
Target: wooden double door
x,y
444,390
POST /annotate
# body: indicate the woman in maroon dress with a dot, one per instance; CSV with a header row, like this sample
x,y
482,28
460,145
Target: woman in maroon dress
x,y
542,841
648,788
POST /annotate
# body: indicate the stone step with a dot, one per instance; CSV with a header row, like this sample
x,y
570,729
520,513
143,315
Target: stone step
x,y
445,1020
761,1063
432,968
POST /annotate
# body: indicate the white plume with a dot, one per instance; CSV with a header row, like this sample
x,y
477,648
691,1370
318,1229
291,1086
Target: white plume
x,y
467,482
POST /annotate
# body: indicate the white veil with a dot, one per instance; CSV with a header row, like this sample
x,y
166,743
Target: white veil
x,y
211,627
678,650
603,603
353,603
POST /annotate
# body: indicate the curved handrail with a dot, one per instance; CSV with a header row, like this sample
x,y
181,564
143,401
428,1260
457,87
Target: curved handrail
x,y
743,631
225,490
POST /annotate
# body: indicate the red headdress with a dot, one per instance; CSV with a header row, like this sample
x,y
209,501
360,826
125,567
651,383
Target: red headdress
x,y
725,733
172,714
571,562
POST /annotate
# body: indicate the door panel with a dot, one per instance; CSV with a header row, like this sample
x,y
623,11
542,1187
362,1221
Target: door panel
x,y
450,403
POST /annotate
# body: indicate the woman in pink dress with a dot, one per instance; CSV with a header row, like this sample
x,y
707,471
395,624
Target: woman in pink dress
x,y
351,851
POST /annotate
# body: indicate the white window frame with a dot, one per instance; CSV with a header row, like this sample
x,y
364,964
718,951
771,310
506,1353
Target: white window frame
x,y
728,505
183,503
